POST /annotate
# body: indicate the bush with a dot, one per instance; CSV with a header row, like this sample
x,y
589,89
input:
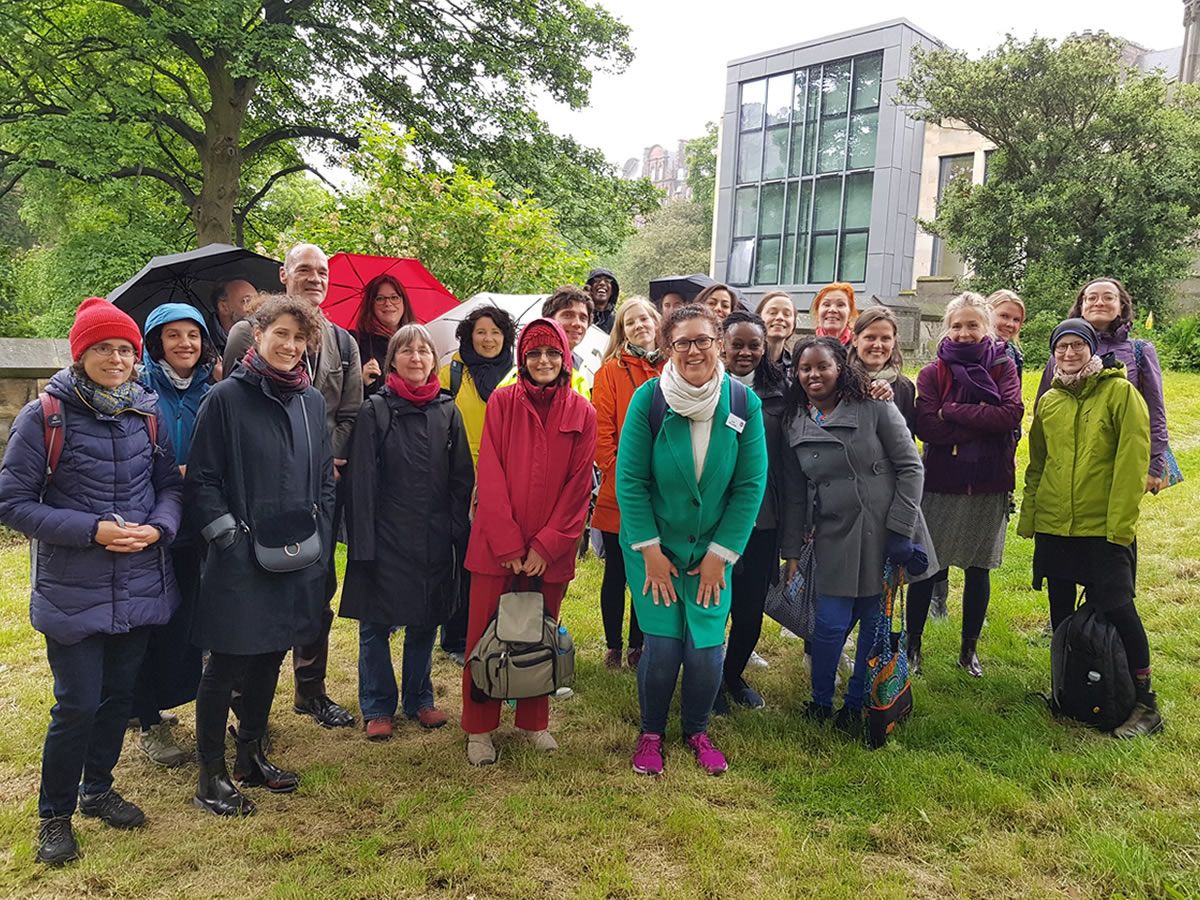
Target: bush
x,y
1179,346
1035,338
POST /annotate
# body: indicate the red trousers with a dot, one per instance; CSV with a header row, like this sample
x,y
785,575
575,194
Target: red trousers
x,y
480,717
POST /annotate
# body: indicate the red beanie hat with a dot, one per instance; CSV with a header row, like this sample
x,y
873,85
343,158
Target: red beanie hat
x,y
539,334
98,320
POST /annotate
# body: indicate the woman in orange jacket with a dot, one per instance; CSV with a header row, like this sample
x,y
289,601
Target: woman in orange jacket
x,y
632,359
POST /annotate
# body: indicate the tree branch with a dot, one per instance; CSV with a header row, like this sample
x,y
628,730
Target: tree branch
x,y
291,132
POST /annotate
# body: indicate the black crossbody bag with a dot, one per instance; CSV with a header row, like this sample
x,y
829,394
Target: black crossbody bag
x,y
291,540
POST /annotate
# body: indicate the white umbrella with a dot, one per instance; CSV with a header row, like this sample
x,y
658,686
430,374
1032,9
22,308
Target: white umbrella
x,y
522,307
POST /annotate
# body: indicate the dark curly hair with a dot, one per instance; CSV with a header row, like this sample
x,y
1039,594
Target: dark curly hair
x,y
683,314
850,381
767,375
154,345
272,306
502,320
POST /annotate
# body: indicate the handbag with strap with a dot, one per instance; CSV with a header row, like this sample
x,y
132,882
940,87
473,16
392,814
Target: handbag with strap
x,y
889,693
523,652
793,602
291,540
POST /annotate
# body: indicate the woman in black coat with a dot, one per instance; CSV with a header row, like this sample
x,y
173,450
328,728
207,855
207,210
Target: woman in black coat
x,y
408,491
260,476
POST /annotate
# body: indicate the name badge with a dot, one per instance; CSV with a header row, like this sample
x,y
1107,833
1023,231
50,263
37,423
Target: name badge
x,y
735,423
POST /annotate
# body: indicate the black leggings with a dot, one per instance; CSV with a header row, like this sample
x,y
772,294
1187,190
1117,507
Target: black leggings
x,y
612,596
1123,615
257,676
977,590
751,578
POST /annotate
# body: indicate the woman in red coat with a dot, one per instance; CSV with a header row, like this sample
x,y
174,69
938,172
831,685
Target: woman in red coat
x,y
533,482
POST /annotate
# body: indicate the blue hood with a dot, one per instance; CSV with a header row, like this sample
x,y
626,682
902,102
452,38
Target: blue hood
x,y
171,312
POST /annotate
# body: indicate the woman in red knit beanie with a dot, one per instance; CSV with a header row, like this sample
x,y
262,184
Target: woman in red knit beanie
x,y
533,483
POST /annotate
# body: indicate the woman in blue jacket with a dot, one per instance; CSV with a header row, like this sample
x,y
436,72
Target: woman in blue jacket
x,y
177,360
101,577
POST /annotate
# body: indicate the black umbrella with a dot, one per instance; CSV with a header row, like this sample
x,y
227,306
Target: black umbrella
x,y
190,278
687,286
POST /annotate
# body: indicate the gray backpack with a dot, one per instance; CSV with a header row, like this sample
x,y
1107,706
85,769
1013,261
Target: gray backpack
x,y
523,652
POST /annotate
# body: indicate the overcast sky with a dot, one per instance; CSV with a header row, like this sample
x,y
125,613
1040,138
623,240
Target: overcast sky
x,y
676,82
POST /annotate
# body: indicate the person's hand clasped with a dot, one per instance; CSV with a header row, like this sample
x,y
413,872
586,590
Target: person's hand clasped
x,y
534,565
881,390
514,565
659,572
712,579
128,538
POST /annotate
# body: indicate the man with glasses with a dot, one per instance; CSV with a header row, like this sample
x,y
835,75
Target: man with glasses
x,y
336,371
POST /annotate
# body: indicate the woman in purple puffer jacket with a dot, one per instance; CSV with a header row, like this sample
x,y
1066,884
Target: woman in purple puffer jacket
x,y
968,410
101,574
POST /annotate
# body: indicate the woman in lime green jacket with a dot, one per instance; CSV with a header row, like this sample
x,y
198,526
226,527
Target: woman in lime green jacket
x,y
690,477
1088,450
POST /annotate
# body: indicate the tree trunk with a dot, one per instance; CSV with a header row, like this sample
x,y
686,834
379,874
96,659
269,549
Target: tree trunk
x,y
221,158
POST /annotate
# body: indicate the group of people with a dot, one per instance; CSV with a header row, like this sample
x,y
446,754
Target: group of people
x,y
184,512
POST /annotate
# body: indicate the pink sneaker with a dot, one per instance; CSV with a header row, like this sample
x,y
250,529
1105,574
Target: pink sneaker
x,y
648,757
711,759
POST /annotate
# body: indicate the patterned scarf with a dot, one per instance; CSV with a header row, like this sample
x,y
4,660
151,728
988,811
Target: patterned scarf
x,y
285,383
651,356
1092,367
108,401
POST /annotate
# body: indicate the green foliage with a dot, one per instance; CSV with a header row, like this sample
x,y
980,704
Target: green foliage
x,y
217,99
1035,337
1179,346
700,154
461,227
675,239
1096,171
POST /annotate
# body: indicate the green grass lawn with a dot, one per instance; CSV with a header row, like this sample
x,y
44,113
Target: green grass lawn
x,y
980,794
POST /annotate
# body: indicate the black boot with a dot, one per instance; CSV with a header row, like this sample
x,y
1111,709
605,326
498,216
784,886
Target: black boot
x,y
216,793
914,654
253,769
56,841
1145,718
967,658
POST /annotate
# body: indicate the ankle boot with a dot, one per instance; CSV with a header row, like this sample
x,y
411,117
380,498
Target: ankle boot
x,y
914,654
967,658
216,793
253,769
1145,718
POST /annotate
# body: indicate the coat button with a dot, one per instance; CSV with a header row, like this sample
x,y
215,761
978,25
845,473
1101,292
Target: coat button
x,y
695,502
691,539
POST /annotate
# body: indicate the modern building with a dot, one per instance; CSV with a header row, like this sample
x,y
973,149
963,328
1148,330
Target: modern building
x,y
819,170
823,177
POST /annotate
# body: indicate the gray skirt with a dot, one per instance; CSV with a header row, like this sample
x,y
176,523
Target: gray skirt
x,y
967,529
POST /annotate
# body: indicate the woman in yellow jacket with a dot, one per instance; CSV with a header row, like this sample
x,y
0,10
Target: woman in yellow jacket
x,y
486,338
632,359
1088,450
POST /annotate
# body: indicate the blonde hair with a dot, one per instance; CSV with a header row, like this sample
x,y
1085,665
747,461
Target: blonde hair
x,y
996,298
972,302
618,338
406,336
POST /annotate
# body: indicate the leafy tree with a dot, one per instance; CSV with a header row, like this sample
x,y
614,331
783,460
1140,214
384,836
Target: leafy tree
x,y
219,99
1096,171
675,239
700,155
461,227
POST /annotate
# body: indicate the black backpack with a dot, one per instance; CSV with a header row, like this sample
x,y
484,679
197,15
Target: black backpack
x,y
1090,679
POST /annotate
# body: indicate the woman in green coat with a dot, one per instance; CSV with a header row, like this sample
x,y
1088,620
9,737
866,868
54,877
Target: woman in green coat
x,y
1088,450
690,479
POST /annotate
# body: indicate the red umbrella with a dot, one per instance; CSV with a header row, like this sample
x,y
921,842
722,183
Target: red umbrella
x,y
350,273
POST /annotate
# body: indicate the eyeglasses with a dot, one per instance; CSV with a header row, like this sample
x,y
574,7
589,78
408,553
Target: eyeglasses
x,y
547,352
683,345
1062,348
414,350
394,300
109,349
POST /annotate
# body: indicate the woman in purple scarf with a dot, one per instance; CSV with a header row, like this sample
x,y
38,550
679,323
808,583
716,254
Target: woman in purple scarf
x,y
968,410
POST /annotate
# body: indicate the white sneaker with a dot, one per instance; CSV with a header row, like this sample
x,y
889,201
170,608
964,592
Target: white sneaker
x,y
757,662
563,693
788,633
542,740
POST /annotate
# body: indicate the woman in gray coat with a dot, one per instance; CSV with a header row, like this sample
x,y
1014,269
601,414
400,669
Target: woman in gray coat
x,y
852,482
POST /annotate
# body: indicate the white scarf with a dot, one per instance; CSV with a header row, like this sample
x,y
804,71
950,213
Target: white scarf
x,y
698,404
181,383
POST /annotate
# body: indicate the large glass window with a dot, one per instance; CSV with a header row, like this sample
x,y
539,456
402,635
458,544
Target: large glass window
x,y
805,172
950,169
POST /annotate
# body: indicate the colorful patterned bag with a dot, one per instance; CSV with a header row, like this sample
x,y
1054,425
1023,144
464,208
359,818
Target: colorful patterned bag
x,y
889,694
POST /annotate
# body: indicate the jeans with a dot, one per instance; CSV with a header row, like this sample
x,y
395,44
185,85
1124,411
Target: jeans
x,y
258,675
377,695
751,578
836,617
658,672
612,596
93,692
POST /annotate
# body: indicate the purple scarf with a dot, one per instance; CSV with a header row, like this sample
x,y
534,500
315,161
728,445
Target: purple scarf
x,y
971,367
285,383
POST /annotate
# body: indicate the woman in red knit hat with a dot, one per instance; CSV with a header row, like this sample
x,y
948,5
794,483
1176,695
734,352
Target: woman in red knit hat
x,y
533,482
99,494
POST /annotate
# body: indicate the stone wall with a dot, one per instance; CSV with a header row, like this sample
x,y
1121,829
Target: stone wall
x,y
26,364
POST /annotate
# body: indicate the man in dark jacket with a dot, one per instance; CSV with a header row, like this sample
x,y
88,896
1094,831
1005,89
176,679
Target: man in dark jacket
x,y
606,293
336,371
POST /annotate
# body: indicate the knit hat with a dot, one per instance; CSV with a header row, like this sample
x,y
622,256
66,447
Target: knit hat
x,y
98,320
542,333
1080,328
